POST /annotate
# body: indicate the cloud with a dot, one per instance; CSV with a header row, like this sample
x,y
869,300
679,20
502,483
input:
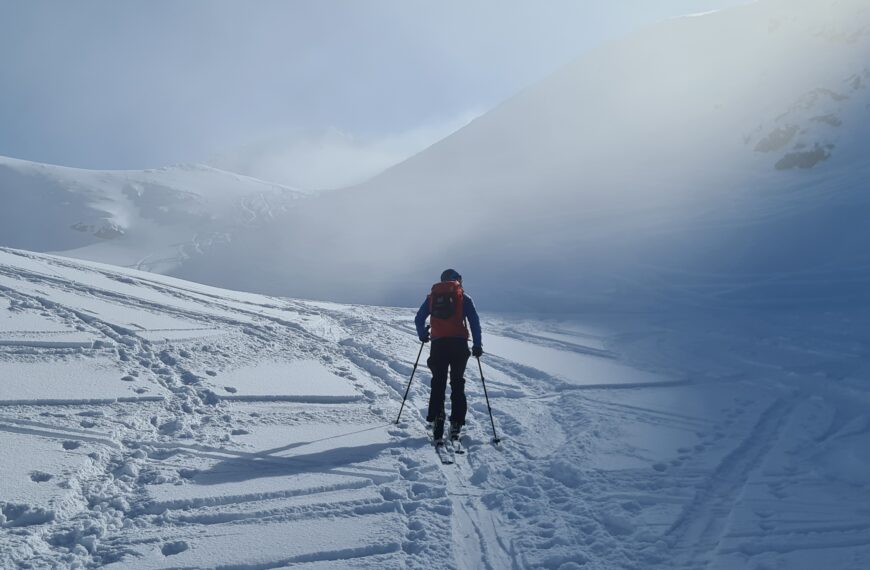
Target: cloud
x,y
331,158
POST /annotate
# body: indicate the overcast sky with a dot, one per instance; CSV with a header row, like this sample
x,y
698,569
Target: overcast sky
x,y
137,84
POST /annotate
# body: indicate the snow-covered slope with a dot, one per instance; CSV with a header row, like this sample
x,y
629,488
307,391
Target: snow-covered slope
x,y
148,422
718,159
713,156
151,219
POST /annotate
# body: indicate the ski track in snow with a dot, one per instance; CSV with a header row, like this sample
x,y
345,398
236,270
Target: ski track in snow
x,y
697,533
194,427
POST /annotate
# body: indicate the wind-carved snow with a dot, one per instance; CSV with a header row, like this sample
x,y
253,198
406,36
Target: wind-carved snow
x,y
643,441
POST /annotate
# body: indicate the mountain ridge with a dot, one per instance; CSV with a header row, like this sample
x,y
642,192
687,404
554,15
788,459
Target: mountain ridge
x,y
601,178
151,219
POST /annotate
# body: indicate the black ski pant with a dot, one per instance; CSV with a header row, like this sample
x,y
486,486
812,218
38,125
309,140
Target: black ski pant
x,y
452,354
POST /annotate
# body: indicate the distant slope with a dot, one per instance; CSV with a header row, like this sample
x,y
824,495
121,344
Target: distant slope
x,y
714,159
150,219
703,160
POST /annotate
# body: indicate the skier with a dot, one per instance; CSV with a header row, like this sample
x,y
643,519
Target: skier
x,y
449,308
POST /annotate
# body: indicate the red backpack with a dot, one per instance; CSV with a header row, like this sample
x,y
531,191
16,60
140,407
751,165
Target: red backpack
x,y
446,310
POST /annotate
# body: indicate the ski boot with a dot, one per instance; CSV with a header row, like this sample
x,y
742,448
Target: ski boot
x,y
455,428
438,429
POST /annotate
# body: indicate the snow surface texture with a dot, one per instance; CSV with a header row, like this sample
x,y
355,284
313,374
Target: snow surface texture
x,y
205,428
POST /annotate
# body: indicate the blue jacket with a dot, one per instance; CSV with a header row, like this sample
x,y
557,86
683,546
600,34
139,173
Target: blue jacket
x,y
469,313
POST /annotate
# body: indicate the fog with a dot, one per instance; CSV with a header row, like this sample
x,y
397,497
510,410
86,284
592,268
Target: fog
x,y
109,85
696,160
330,159
648,172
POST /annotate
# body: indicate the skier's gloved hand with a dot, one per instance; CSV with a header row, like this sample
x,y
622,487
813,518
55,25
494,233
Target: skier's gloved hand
x,y
476,351
424,338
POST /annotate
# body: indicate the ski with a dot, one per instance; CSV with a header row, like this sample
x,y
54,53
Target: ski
x,y
456,444
445,452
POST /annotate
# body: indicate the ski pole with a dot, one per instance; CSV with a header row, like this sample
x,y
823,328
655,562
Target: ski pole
x,y
408,389
495,438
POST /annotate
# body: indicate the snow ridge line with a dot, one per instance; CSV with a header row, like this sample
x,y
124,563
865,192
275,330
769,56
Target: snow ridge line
x,y
126,300
698,531
809,540
81,402
322,556
559,344
58,434
160,507
312,511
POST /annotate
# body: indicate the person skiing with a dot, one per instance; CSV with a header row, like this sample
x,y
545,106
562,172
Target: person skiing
x,y
448,308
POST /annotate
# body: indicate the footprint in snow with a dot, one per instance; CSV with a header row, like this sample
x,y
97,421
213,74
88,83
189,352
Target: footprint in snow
x,y
69,445
171,548
40,476
231,389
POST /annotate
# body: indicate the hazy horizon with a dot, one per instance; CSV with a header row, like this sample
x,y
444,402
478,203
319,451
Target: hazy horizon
x,y
293,92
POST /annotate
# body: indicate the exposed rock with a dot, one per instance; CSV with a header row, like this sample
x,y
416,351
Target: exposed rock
x,y
805,159
777,139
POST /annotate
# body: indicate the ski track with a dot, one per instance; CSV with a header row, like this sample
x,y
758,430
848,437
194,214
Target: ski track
x,y
153,480
696,534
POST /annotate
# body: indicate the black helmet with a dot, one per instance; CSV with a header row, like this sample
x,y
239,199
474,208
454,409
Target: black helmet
x,y
451,275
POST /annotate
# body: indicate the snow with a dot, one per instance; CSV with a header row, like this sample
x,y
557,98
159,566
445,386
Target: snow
x,y
91,380
317,455
152,219
31,490
158,336
22,327
706,406
260,432
304,380
676,166
270,546
577,369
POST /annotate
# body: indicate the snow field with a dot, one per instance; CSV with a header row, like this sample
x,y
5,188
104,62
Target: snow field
x,y
263,436
70,380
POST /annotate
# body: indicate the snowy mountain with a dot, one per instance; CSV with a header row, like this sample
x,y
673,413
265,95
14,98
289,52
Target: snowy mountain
x,y
151,219
706,160
710,160
148,422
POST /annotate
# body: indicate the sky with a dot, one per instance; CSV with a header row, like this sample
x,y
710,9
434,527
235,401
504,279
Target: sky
x,y
316,93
